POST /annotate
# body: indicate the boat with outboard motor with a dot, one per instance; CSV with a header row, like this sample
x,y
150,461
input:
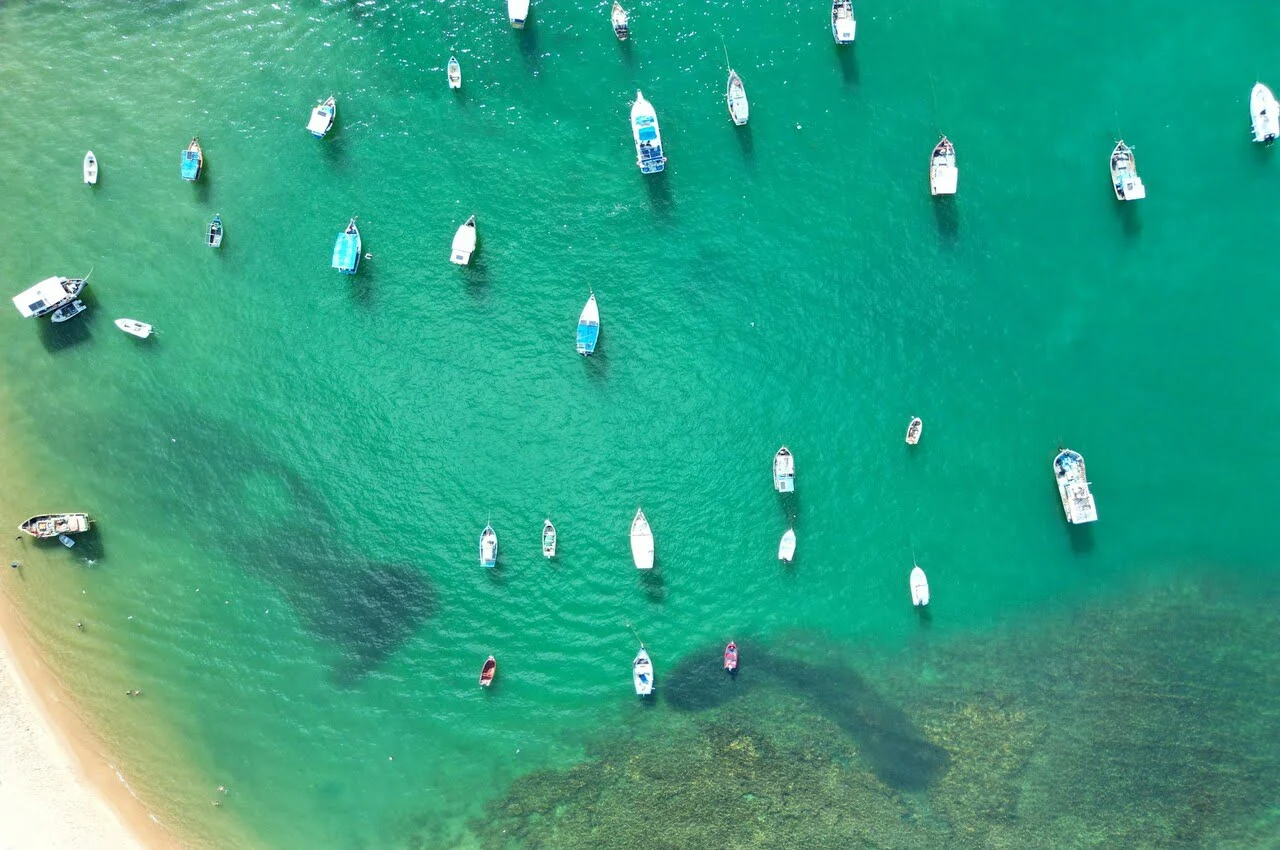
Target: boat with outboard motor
x,y
943,174
919,587
787,546
134,328
548,539
68,311
588,327
642,673
784,471
648,138
346,250
1264,114
322,117
454,72
90,168
51,525
192,160
464,243
1124,174
736,96
1073,487
518,12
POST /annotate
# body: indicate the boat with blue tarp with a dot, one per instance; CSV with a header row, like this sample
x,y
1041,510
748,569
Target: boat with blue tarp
x,y
644,127
192,160
346,251
589,327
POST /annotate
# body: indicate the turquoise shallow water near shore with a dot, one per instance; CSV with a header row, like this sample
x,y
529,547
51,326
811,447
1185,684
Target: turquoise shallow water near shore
x,y
289,480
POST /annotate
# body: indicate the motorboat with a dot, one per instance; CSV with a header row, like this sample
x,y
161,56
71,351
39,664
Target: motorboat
x,y
455,73
69,542
787,546
68,311
488,671
731,657
51,525
642,673
919,587
346,251
90,168
621,21
943,174
736,95
322,118
784,471
192,160
1124,174
48,295
518,12
914,428
1265,114
464,243
641,541
134,328
215,232
1073,487
548,539
588,327
843,25
488,547
644,129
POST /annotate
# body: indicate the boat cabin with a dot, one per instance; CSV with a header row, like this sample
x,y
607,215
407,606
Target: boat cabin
x,y
45,297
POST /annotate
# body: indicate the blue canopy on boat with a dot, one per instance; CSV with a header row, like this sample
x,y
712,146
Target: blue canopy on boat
x,y
346,253
648,134
190,165
588,333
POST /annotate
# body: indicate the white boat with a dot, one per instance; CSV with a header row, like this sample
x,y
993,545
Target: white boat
x,y
548,539
1265,114
48,295
588,328
69,542
90,168
621,21
1073,487
784,471
736,95
644,129
488,547
518,12
464,243
1124,174
322,118
843,25
787,546
914,429
641,541
919,588
68,311
642,673
132,326
455,73
943,174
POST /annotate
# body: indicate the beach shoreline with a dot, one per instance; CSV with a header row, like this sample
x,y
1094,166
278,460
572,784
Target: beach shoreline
x,y
60,788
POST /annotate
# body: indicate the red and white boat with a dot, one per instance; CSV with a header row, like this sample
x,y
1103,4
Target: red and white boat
x,y
731,657
487,672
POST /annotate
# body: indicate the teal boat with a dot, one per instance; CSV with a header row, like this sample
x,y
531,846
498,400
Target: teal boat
x,y
346,251
192,160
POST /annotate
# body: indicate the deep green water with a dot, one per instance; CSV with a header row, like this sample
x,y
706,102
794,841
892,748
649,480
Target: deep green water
x,y
289,480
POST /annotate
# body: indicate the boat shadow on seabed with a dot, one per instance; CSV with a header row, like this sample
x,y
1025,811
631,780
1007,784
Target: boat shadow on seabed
x,y
947,215
848,63
1130,220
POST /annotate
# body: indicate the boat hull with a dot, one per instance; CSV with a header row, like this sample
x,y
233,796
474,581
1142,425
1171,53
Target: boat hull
x,y
44,526
641,542
914,429
518,13
488,671
548,539
1264,114
90,169
731,658
588,334
1073,488
736,97
347,250
322,118
489,548
464,243
787,546
192,162
648,136
642,674
784,471
919,588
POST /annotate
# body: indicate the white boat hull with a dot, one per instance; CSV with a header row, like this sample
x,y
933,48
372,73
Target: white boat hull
x,y
641,542
134,328
90,169
464,243
518,12
1265,114
642,674
919,588
787,546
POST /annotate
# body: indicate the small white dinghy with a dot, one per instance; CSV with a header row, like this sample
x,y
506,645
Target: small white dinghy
x,y
455,73
69,542
464,243
642,673
548,539
641,541
90,169
132,326
787,546
919,588
1265,114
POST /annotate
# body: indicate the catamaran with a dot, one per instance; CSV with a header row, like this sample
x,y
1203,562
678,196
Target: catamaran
x,y
51,525
1073,487
588,327
192,160
464,243
454,71
322,118
215,232
90,168
787,546
134,328
919,587
346,251
48,295
1265,114
642,673
1124,174
843,25
641,542
736,96
784,471
68,311
488,547
518,12
943,174
548,539
644,129
621,21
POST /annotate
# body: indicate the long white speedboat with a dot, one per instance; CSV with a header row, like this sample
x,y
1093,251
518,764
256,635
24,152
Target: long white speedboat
x,y
642,673
134,328
736,95
943,174
919,587
518,12
1124,174
644,128
90,168
464,243
488,547
784,471
548,539
1073,487
843,25
787,546
641,541
322,118
1265,113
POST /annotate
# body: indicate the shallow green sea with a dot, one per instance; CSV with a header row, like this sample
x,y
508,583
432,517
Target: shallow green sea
x,y
289,480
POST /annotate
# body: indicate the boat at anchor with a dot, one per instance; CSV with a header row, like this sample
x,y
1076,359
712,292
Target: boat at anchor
x,y
51,525
322,118
784,471
644,129
548,539
914,428
1124,174
90,168
943,174
134,328
454,70
588,327
68,311
49,295
1264,114
642,673
488,547
620,20
919,587
488,671
641,541
736,96
464,243
192,160
787,546
843,25
346,250
1073,487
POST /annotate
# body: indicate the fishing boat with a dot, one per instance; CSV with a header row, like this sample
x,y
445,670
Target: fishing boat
x,y
488,671
90,168
215,232
464,243
488,547
787,546
784,471
1073,487
843,25
914,429
518,12
68,311
51,525
642,673
731,657
736,95
588,327
322,118
641,541
48,295
346,251
644,128
1124,174
919,587
134,328
192,160
455,73
548,539
943,174
1265,114
620,20
69,542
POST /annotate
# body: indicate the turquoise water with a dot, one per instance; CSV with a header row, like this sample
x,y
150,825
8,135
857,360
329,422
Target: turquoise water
x,y
289,480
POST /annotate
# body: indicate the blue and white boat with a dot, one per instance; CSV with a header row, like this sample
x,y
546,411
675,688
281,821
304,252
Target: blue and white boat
x,y
518,12
192,160
843,25
488,547
322,118
644,127
1073,487
346,251
589,327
